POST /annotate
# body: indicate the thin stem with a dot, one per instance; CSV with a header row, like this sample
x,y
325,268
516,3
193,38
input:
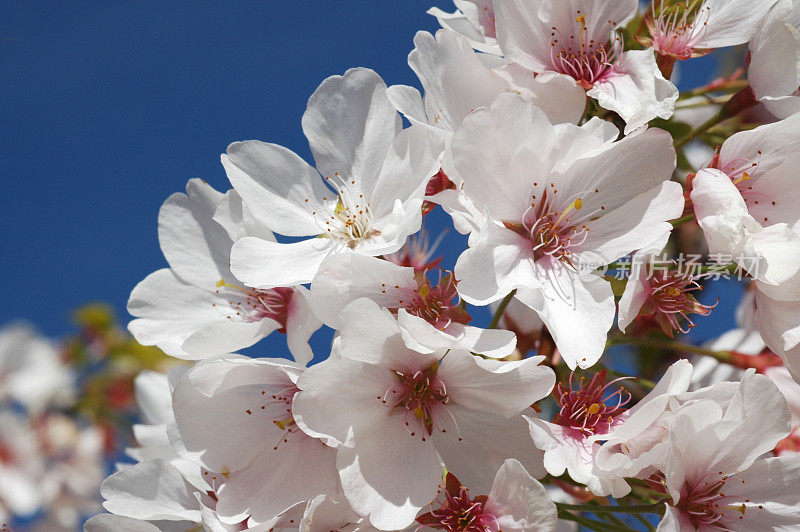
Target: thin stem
x,y
739,102
702,128
722,356
591,524
501,309
682,220
655,508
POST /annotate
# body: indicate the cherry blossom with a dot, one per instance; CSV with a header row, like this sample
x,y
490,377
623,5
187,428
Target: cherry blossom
x,y
559,202
365,197
236,417
715,478
688,28
414,409
517,502
580,38
427,310
197,308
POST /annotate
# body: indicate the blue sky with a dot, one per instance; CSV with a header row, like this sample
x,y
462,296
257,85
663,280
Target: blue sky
x,y
109,107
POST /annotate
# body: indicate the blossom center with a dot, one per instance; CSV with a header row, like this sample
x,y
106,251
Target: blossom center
x,y
705,504
348,218
580,55
250,304
671,301
678,28
459,512
556,228
418,394
275,403
586,410
437,304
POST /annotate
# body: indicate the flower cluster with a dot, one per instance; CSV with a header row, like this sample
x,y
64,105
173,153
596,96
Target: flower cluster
x,y
64,410
550,132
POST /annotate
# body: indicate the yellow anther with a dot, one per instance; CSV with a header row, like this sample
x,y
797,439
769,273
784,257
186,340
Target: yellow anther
x,y
221,283
419,412
745,177
593,408
674,292
578,203
282,424
424,290
582,20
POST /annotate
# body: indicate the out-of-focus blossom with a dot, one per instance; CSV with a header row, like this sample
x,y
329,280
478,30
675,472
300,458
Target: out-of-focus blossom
x,y
31,372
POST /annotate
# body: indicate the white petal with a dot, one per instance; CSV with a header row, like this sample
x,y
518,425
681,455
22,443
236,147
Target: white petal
x,y
720,210
350,125
264,264
456,82
410,162
346,277
151,491
578,313
473,452
272,484
636,90
301,323
495,265
731,22
389,475
169,311
498,152
196,247
275,184
520,502
643,220
558,95
117,523
506,388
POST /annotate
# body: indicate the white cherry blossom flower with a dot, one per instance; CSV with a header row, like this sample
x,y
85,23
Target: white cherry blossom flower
x,y
364,197
689,28
516,503
196,308
561,201
774,71
235,416
428,312
745,201
396,414
715,477
580,38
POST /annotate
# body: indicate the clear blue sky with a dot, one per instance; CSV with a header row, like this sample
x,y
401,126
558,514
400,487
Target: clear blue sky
x,y
109,107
